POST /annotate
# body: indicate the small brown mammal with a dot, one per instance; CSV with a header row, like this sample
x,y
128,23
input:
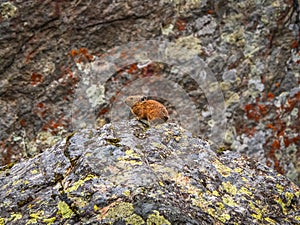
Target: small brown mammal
x,y
150,111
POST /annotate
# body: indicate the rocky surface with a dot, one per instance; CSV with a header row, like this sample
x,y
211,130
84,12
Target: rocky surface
x,y
125,173
252,49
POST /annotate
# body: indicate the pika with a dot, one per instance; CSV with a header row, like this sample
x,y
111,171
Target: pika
x,y
147,111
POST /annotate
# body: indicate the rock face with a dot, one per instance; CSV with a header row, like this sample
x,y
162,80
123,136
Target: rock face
x,y
124,173
252,48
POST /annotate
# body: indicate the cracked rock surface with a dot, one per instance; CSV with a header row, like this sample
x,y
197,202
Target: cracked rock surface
x,y
124,173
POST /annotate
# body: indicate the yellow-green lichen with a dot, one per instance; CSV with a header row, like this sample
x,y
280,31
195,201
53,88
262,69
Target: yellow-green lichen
x,y
220,206
238,170
279,188
2,221
230,188
126,193
17,182
134,220
36,215
257,216
96,208
168,29
235,38
222,169
157,219
215,193
161,183
282,204
31,221
50,220
15,216
34,171
7,10
245,179
26,182
79,183
211,211
228,200
289,196
64,210
258,213
131,157
245,191
219,213
270,221
223,217
120,211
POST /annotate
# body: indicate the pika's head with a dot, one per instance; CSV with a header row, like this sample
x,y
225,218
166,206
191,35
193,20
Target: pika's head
x,y
131,100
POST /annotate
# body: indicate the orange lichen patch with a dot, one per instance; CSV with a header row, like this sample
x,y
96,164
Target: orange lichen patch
x,y
81,55
252,112
30,55
295,44
287,141
272,156
41,110
258,112
292,102
133,68
181,25
263,109
22,122
36,78
276,144
270,126
210,11
54,125
40,105
74,53
103,111
271,95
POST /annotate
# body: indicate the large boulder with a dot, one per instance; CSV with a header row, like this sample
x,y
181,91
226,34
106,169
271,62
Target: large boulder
x,y
125,173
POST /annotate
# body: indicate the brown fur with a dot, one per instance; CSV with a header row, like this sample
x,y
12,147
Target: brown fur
x,y
149,110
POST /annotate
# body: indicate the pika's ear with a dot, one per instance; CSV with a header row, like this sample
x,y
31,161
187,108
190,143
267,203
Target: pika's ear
x,y
143,98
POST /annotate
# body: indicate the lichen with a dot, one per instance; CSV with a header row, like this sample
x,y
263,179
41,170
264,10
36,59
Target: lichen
x,y
245,191
8,10
282,204
15,216
228,200
222,169
230,188
79,183
64,210
134,220
120,211
269,220
131,157
50,220
157,219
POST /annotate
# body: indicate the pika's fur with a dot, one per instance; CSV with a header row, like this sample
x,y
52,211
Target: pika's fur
x,y
149,110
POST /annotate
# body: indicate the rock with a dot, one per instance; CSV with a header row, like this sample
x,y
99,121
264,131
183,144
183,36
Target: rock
x,y
124,173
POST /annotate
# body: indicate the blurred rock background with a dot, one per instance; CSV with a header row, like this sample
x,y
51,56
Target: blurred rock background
x,y
252,48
